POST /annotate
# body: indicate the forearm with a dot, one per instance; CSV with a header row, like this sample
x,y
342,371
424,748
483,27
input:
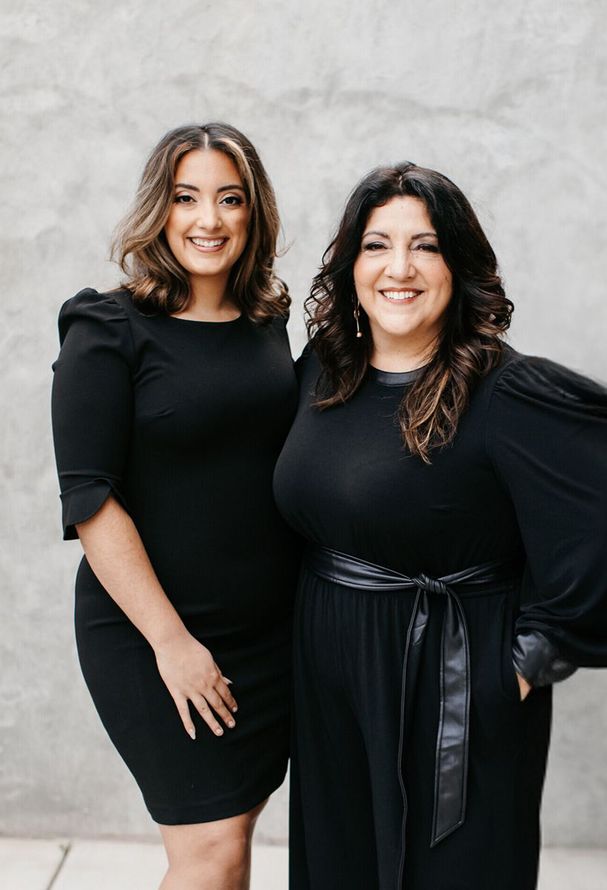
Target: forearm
x,y
116,554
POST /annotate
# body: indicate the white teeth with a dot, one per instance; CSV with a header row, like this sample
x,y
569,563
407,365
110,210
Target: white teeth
x,y
400,295
206,242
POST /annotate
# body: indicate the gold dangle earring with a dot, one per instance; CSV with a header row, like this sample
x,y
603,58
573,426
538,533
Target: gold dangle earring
x,y
356,314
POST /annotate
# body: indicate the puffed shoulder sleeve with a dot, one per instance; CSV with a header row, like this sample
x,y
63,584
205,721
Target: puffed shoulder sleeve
x,y
91,404
548,439
304,362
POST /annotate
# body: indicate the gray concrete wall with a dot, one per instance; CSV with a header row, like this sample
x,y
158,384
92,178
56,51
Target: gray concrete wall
x,y
506,98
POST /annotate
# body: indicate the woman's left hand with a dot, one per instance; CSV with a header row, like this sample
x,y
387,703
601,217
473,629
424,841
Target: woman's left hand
x,y
524,687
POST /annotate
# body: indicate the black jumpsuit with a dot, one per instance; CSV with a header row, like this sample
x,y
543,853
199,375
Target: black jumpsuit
x,y
182,421
524,484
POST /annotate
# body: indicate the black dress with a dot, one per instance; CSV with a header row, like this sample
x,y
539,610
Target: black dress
x,y
523,485
182,421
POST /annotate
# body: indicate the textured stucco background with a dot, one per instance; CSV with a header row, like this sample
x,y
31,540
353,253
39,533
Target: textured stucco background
x,y
506,98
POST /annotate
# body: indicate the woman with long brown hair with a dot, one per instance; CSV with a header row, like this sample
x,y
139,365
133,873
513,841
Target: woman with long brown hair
x,y
172,397
453,494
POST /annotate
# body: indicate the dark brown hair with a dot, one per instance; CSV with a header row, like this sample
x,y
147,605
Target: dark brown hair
x,y
155,278
477,316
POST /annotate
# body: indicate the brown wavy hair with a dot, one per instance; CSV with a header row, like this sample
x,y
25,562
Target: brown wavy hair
x,y
476,318
154,277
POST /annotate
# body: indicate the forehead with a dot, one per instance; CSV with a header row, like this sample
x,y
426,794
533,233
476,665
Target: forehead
x,y
402,214
207,167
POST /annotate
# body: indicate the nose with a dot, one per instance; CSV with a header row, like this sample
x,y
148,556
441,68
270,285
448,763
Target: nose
x,y
401,265
207,216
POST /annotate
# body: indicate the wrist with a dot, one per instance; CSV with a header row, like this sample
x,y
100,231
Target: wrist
x,y
537,659
167,637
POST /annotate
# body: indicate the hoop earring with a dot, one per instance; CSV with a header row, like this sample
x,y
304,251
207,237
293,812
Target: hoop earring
x,y
356,315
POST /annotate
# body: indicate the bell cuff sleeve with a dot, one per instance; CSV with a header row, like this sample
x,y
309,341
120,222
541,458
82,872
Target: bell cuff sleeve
x,y
83,499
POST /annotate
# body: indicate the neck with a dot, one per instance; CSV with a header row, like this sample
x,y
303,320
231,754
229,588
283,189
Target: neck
x,y
401,358
210,300
398,353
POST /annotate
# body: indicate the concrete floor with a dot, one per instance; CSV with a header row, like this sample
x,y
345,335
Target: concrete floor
x,y
118,865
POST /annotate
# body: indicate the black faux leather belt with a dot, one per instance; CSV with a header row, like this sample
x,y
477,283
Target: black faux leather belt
x,y
451,769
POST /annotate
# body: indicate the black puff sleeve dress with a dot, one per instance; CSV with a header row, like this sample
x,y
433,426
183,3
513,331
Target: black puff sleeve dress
x,y
182,421
523,486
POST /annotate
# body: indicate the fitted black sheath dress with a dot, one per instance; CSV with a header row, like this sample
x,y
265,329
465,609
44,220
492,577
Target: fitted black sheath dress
x,y
181,421
524,487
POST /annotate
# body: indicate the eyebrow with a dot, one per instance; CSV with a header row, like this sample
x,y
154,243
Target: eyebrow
x,y
413,237
222,188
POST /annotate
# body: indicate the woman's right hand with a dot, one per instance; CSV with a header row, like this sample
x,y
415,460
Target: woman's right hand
x,y
524,686
190,674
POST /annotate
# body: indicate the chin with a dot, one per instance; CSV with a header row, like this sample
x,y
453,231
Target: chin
x,y
396,332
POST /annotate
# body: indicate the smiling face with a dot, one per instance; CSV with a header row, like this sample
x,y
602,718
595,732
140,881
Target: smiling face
x,y
402,281
207,227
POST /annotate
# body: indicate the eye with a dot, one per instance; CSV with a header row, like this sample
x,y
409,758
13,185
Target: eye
x,y
426,247
232,200
183,199
372,246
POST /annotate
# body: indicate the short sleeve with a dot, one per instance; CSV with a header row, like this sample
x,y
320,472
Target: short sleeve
x,y
91,405
547,435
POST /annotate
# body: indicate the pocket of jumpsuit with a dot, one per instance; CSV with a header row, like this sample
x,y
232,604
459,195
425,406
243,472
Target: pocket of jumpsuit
x,y
496,711
509,680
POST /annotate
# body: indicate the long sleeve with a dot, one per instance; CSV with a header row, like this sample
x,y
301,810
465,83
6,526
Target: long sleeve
x,y
547,436
91,404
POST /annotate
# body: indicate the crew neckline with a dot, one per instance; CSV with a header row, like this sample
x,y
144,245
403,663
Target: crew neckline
x,y
394,378
200,321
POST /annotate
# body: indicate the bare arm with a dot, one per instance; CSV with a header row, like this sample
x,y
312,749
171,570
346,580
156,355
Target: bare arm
x,y
117,556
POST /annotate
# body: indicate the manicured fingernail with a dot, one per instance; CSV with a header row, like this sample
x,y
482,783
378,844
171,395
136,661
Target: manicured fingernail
x,y
192,733
219,730
231,724
228,681
234,709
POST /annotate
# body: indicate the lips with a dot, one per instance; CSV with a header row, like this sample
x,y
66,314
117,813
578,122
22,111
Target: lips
x,y
400,296
208,244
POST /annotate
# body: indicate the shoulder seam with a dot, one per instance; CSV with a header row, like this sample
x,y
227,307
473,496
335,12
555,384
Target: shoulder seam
x,y
128,321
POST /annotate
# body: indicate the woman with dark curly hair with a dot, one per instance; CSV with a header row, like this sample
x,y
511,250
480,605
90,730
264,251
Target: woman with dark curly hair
x,y
453,494
172,398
